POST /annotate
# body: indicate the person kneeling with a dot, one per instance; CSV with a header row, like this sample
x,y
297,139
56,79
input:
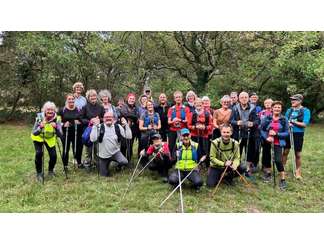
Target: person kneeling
x,y
224,154
162,158
187,157
109,135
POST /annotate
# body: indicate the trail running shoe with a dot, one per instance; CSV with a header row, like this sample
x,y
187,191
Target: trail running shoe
x,y
282,185
51,174
267,177
40,177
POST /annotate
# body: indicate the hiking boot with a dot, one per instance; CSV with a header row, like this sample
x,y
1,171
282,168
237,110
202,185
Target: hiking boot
x,y
249,176
165,179
282,185
80,166
197,189
40,177
253,169
267,177
51,174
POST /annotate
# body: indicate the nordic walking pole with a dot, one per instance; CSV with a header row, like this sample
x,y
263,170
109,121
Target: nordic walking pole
x,y
292,144
243,179
75,143
180,192
141,171
220,180
273,164
247,149
183,180
43,158
58,146
132,177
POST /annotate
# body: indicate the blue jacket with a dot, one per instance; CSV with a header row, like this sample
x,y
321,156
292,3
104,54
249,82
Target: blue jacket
x,y
283,129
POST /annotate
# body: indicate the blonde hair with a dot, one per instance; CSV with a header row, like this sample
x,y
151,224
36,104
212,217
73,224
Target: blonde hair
x,y
90,92
198,100
191,93
177,92
77,84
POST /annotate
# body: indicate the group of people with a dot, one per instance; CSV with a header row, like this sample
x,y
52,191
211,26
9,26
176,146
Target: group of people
x,y
177,140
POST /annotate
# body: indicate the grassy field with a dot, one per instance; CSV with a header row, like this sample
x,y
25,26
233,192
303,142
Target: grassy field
x,y
85,192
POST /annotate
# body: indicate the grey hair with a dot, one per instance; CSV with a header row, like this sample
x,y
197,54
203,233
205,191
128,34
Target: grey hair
x,y
105,93
225,97
234,93
90,92
205,98
49,104
191,93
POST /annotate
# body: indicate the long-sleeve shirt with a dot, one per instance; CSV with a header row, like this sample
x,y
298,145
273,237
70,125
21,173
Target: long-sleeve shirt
x,y
109,145
90,111
220,152
200,119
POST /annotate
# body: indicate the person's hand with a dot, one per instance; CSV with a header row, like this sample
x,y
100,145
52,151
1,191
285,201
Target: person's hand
x,y
66,124
53,124
142,153
250,124
155,127
203,158
239,123
233,167
228,163
41,125
149,127
272,132
270,139
77,122
95,121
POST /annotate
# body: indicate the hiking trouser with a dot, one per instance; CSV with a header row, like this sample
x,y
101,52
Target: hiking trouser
x,y
257,151
162,166
194,178
126,148
203,145
214,175
105,162
39,154
91,155
172,143
71,139
266,156
250,148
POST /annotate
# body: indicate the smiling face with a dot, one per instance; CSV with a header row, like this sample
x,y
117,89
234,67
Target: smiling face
x,y
108,118
234,98
93,98
78,89
186,139
244,98
276,109
143,101
178,98
149,106
105,99
226,103
162,99
199,104
226,133
268,104
295,103
206,103
254,99
70,101
131,100
50,112
191,98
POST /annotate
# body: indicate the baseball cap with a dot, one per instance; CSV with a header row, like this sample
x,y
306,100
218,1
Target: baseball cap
x,y
184,131
297,97
156,136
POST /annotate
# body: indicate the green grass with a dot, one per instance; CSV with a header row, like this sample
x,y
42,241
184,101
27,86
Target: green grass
x,y
85,192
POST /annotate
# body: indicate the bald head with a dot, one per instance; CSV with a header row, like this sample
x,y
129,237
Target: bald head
x,y
244,98
108,118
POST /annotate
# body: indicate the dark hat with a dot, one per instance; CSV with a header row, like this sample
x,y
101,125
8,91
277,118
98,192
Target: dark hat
x,y
155,136
253,93
297,97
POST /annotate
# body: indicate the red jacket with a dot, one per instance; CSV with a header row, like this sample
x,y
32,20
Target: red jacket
x,y
201,119
165,150
179,111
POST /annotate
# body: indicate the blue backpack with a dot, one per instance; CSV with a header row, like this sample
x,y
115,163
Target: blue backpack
x,y
86,137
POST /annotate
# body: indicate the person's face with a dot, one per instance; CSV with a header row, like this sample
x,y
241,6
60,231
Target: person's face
x,y
234,98
267,104
148,92
206,103
78,89
244,99
186,139
70,101
191,98
157,142
144,100
163,99
254,99
93,98
105,99
198,105
226,133
178,98
120,103
226,103
149,106
276,109
50,112
295,103
131,100
108,118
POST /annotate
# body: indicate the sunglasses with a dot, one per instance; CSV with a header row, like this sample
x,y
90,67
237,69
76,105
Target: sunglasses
x,y
185,135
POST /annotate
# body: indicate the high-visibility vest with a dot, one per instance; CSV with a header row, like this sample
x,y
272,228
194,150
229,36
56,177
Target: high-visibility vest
x,y
188,157
48,133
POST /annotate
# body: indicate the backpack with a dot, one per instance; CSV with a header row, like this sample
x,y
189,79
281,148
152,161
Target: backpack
x,y
193,150
86,137
183,112
219,149
300,116
102,132
148,119
194,118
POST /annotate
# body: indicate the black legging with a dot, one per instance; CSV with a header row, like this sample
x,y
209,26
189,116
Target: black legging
x,y
172,143
266,156
70,139
39,154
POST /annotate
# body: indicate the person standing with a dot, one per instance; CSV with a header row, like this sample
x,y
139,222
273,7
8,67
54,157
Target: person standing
x,y
298,117
234,99
78,89
108,137
222,115
244,121
162,109
45,131
105,97
274,131
71,120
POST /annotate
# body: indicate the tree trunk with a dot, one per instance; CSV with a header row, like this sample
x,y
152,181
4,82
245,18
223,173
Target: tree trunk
x,y
14,106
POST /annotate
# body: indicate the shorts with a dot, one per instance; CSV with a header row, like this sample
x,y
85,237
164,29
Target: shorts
x,y
298,142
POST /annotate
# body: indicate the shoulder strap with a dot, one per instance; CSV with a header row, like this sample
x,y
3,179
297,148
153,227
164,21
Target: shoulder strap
x,y
117,131
206,118
101,133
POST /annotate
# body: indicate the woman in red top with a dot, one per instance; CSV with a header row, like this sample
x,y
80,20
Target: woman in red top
x,y
200,125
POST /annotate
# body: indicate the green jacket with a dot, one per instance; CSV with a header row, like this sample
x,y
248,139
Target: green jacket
x,y
219,152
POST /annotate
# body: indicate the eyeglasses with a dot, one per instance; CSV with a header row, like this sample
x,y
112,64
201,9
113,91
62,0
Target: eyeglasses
x,y
185,135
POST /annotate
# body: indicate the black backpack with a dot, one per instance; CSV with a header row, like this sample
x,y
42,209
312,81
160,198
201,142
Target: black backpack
x,y
102,132
300,116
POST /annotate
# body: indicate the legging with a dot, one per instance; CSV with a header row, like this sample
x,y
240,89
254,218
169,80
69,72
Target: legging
x,y
266,156
39,155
